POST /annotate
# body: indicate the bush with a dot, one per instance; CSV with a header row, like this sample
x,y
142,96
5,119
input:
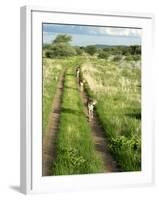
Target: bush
x,y
129,58
49,54
117,58
91,49
133,58
117,147
79,51
60,50
136,57
103,54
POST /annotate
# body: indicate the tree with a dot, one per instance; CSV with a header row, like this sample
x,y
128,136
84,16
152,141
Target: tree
x,y
60,50
91,49
49,54
63,50
46,46
103,54
62,39
60,47
135,49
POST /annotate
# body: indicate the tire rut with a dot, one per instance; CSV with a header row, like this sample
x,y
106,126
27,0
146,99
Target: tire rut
x,y
49,139
99,139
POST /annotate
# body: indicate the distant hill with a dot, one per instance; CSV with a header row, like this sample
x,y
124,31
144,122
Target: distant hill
x,y
102,46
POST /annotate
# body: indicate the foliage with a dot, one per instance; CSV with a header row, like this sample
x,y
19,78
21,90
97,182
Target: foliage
x,y
62,39
124,50
79,51
60,47
103,54
117,58
91,49
132,155
46,46
60,50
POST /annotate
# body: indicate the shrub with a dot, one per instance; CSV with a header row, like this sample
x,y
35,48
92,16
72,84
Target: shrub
x,y
128,58
49,54
91,49
117,58
78,50
117,147
103,54
136,57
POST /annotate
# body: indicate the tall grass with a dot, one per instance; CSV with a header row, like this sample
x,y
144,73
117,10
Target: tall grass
x,y
117,89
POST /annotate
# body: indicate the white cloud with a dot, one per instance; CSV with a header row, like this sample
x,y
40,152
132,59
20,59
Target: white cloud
x,y
92,30
84,35
120,31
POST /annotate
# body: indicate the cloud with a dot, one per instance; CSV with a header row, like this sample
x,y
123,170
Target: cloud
x,y
114,31
91,30
85,35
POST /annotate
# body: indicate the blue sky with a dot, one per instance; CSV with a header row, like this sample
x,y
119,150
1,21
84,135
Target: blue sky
x,y
86,35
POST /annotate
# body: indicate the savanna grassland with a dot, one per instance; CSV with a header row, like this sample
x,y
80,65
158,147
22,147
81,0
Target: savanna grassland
x,y
112,77
116,85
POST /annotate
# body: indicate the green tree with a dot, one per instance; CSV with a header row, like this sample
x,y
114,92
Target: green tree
x,y
135,49
60,50
103,54
62,39
91,49
60,47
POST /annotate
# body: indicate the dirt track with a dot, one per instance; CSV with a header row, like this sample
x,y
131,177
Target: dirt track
x,y
99,140
48,147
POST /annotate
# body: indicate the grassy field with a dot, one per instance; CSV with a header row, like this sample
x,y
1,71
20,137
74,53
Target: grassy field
x,y
51,73
117,88
75,149
75,143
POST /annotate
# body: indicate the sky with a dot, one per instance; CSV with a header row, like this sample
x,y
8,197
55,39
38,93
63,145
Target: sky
x,y
91,35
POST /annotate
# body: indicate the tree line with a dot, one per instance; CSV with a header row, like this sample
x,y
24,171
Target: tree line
x,y
61,47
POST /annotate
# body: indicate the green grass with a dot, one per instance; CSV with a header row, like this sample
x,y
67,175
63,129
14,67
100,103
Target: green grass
x,y
117,89
75,149
51,73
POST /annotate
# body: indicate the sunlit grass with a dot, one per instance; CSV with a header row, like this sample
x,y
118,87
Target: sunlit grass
x,y
118,93
51,74
117,88
75,149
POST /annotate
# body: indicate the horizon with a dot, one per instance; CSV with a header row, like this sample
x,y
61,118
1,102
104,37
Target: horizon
x,y
104,45
93,35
